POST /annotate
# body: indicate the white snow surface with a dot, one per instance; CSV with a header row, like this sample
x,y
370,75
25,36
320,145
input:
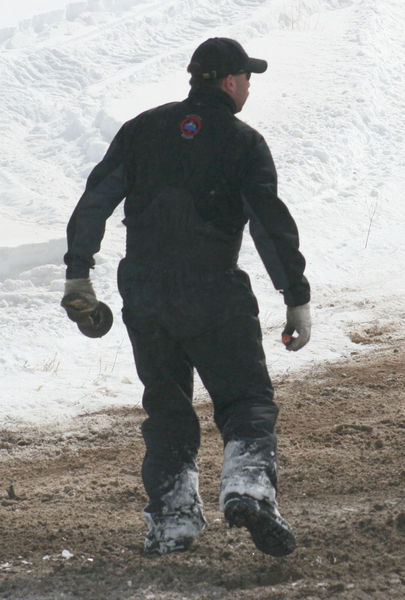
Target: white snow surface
x,y
331,107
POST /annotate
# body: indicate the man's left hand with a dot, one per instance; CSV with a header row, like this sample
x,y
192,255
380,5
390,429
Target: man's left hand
x,y
299,320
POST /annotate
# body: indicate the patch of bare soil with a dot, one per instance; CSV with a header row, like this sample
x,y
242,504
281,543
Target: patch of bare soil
x,y
71,501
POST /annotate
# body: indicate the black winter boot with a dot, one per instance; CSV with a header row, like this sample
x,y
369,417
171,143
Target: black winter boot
x,y
270,532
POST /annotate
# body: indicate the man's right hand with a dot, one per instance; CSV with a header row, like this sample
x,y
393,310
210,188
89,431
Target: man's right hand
x,y
79,299
93,318
299,320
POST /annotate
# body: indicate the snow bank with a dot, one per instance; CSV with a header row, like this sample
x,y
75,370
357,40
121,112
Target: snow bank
x,y
38,15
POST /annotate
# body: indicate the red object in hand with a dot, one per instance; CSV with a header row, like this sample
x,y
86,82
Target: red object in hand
x,y
286,338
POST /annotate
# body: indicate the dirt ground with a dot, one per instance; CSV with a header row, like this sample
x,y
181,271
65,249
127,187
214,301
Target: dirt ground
x,y
71,501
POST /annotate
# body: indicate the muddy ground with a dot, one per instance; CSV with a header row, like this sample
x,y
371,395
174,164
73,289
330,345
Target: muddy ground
x,y
71,501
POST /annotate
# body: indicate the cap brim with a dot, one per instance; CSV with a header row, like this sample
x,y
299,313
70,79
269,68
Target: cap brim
x,y
256,65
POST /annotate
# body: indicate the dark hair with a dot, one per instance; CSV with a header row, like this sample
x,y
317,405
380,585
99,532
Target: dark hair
x,y
200,79
196,81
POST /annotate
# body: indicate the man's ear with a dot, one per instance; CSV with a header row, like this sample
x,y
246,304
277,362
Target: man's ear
x,y
228,84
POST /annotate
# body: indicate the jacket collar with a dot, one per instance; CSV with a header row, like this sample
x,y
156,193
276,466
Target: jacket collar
x,y
212,96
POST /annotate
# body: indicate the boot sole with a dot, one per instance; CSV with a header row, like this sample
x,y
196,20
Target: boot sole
x,y
270,533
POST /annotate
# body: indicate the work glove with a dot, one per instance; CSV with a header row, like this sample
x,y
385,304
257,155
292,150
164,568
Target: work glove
x,y
94,319
299,320
79,298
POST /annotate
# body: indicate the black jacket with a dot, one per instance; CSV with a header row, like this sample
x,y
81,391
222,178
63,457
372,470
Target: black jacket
x,y
200,146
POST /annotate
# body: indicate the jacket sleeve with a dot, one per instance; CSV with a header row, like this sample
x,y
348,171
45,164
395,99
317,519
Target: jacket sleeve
x,y
106,186
272,227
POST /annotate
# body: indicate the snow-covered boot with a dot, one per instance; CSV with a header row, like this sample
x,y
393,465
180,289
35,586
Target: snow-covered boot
x,y
177,519
172,532
248,495
249,468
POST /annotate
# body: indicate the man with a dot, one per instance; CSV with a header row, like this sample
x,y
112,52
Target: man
x,y
193,175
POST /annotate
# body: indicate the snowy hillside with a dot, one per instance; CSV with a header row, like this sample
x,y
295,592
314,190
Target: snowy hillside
x,y
331,107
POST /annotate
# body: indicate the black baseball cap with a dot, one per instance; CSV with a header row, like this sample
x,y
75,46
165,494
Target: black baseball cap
x,y
218,57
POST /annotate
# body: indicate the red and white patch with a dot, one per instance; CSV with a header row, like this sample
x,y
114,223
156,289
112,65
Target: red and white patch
x,y
190,127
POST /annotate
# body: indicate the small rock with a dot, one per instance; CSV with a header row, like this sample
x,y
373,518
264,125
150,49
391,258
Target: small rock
x,y
400,522
11,493
337,587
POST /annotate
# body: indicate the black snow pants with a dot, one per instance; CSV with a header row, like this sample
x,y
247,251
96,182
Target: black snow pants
x,y
187,305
